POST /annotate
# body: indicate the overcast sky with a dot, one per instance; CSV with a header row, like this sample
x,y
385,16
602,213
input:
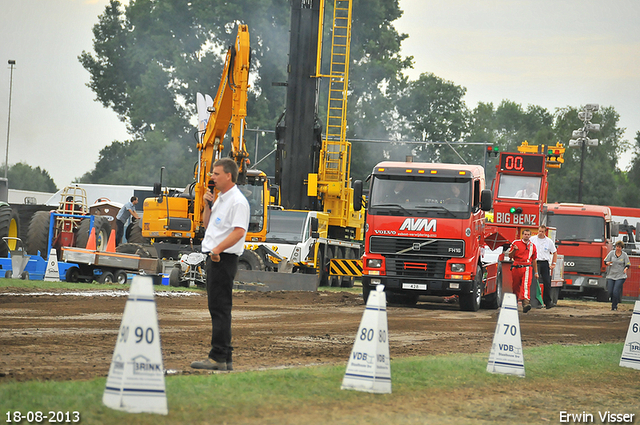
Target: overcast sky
x,y
552,53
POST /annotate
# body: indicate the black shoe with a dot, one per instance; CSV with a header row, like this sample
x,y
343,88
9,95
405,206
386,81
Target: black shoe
x,y
539,306
526,307
614,308
209,364
548,306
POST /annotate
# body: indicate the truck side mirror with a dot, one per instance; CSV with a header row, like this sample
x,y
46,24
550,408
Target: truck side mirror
x,y
357,195
486,200
157,189
615,229
274,194
314,227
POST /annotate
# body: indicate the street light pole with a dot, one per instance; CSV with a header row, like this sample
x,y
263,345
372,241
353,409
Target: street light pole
x,y
582,137
6,157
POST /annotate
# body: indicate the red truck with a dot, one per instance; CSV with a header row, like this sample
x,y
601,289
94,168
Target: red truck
x,y
424,234
584,235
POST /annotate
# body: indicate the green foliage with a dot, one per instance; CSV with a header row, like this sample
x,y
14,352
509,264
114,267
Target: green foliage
x,y
24,177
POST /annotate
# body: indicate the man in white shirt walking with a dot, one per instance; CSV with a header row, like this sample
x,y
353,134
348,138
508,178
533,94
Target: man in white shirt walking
x,y
547,256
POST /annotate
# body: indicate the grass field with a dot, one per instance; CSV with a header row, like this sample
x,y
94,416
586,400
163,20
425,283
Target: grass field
x,y
440,389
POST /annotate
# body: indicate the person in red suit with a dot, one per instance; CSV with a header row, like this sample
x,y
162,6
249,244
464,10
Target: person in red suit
x,y
524,267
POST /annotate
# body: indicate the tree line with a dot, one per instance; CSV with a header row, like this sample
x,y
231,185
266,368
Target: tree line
x,y
150,58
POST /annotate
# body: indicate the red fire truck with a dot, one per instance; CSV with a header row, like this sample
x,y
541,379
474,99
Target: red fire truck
x,y
425,234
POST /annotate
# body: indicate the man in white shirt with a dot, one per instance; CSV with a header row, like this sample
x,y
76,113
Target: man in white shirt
x,y
227,222
547,256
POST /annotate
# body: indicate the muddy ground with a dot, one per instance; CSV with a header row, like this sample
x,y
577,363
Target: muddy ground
x,y
59,335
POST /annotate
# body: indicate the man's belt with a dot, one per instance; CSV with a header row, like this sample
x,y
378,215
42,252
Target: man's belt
x,y
519,266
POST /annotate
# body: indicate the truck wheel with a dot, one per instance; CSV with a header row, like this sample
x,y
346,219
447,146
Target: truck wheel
x,y
106,277
73,274
174,277
8,274
9,227
103,230
38,234
120,277
494,301
322,268
250,260
471,301
24,275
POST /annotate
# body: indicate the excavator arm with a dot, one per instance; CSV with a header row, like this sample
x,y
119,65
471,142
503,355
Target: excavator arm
x,y
229,108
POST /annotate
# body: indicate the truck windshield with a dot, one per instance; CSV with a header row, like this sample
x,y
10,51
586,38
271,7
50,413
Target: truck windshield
x,y
286,226
420,196
580,228
255,195
519,187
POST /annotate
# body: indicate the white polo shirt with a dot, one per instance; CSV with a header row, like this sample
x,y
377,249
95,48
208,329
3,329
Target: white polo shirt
x,y
545,247
230,210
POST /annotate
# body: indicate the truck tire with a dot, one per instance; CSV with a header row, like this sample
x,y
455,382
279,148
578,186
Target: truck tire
x,y
494,301
250,260
471,301
9,227
73,274
323,272
106,277
103,230
38,234
120,277
174,277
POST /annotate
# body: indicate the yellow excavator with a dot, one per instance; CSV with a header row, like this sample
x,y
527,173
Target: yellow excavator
x,y
172,221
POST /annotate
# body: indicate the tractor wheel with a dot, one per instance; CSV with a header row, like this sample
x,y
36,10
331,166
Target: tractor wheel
x,y
134,234
250,260
73,274
9,225
38,234
103,229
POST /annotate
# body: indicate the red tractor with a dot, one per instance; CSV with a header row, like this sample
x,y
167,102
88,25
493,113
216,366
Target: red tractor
x,y
68,225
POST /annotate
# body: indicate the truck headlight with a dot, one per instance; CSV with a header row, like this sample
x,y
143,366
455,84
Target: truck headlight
x,y
374,263
457,268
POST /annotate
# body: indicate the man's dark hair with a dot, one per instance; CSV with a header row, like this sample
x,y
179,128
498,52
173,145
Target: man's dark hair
x,y
133,198
229,166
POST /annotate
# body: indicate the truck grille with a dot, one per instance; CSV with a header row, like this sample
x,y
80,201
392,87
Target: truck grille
x,y
412,247
586,265
432,268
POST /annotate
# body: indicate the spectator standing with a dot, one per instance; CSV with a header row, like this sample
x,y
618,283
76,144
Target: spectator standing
x,y
227,221
618,263
523,253
128,210
546,262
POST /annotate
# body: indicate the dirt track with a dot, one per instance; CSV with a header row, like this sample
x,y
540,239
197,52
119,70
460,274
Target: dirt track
x,y
61,336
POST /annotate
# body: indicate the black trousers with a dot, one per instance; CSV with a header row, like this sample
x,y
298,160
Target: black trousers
x,y
119,232
544,271
220,277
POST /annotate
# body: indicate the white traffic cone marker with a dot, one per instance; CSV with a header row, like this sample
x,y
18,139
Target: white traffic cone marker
x,y
631,351
369,367
136,377
506,351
